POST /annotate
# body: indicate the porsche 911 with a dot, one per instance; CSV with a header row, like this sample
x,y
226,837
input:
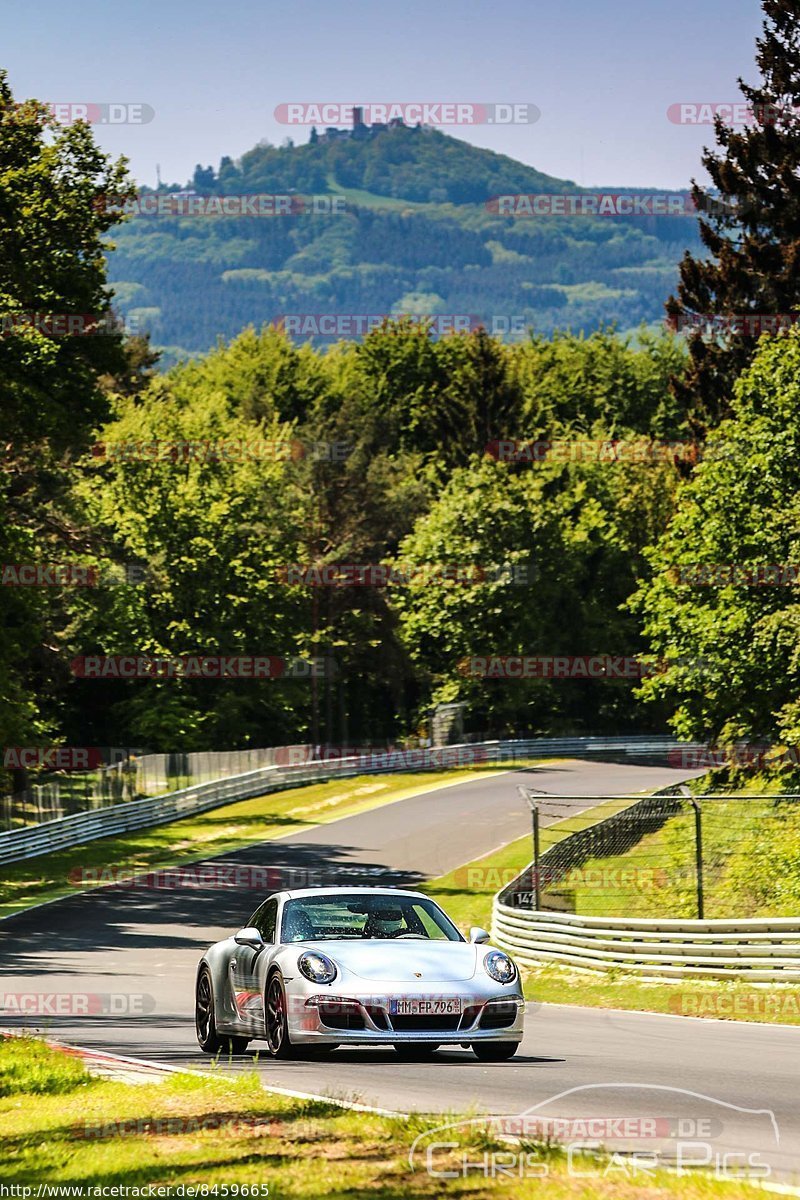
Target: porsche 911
x,y
319,968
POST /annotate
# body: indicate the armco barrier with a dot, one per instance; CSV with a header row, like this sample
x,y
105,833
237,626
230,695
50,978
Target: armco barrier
x,y
158,810
137,775
32,840
762,950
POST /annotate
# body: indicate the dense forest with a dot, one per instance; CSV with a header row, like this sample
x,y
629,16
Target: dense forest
x,y
375,527
541,500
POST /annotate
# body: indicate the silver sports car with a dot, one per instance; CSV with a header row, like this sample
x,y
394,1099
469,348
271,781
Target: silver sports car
x,y
327,967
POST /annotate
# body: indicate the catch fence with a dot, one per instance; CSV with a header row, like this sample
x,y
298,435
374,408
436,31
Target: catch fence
x,y
668,886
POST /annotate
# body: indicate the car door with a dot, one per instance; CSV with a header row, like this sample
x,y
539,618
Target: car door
x,y
246,982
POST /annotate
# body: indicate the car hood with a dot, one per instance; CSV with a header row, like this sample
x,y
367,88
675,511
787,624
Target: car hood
x,y
392,961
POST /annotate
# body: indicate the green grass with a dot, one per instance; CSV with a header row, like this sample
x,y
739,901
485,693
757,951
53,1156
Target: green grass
x,y
751,866
366,199
468,892
195,1130
218,831
32,1068
719,999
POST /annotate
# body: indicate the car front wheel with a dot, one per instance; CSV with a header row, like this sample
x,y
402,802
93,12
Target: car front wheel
x,y
206,1024
275,1021
495,1051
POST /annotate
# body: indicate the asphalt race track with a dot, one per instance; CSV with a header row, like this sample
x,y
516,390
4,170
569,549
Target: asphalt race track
x,y
734,1086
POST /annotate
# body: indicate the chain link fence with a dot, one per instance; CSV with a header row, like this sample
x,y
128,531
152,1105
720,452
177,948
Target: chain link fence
x,y
670,855
133,777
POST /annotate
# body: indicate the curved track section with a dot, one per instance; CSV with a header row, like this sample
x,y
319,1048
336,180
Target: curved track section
x,y
114,970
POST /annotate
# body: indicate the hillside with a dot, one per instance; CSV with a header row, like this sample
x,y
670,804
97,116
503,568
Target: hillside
x,y
415,235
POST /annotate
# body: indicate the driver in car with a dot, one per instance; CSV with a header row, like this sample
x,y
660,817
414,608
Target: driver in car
x,y
385,923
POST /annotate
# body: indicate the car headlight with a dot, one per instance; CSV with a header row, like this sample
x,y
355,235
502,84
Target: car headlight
x,y
317,967
499,966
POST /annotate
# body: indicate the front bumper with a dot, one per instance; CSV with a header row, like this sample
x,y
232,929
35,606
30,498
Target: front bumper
x,y
336,1020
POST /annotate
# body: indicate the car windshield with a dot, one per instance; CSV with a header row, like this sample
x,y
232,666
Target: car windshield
x,y
320,918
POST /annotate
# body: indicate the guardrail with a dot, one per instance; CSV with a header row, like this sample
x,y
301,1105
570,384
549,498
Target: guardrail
x,y
136,775
765,951
762,949
74,830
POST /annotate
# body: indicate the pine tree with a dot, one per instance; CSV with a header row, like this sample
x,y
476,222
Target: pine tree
x,y
750,224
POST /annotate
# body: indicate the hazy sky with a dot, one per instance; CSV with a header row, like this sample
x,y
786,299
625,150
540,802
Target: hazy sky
x,y
602,72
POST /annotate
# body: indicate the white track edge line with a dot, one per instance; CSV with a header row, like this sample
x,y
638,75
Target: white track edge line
x,y
292,1093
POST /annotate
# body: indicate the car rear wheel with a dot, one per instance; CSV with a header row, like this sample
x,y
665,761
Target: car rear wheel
x,y
275,1022
418,1050
494,1051
206,1024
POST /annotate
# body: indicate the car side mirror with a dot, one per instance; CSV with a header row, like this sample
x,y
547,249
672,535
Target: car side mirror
x,y
249,936
478,935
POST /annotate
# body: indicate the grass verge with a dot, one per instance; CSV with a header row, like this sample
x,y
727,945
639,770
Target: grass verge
x,y
734,1000
751,848
197,1131
468,892
218,831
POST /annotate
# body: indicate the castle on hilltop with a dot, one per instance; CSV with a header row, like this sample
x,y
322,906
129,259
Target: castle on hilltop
x,y
360,131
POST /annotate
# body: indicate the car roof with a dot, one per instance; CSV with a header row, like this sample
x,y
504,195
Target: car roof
x,y
305,893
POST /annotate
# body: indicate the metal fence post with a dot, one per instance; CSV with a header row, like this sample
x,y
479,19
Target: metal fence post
x,y
698,854
537,887
534,807
685,791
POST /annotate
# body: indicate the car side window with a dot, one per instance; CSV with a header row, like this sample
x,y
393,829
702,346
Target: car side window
x,y
427,924
265,920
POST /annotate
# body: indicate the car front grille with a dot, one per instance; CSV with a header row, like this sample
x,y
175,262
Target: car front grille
x,y
338,1016
498,1016
470,1013
378,1016
425,1024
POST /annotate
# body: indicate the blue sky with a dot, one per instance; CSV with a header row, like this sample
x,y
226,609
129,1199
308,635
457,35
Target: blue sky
x,y
602,73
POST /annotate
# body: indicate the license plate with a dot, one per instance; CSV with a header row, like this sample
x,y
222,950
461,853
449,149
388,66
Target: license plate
x,y
443,1007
